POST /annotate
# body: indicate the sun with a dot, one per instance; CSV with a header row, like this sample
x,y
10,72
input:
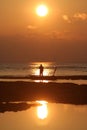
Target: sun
x,y
42,10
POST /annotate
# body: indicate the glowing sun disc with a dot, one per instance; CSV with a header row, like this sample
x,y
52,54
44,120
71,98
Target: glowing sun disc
x,y
42,10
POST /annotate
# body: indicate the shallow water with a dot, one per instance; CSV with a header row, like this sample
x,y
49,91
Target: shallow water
x,y
49,67
59,117
79,82
32,68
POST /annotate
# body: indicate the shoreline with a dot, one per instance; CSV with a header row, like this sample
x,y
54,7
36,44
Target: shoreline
x,y
37,77
67,93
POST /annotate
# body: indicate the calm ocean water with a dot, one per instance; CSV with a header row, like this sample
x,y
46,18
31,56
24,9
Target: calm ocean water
x,y
33,69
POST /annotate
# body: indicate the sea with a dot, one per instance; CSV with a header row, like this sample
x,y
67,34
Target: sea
x,y
42,115
9,72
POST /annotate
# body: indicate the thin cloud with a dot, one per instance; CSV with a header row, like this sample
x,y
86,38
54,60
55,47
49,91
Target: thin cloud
x,y
58,35
66,18
80,16
31,27
76,16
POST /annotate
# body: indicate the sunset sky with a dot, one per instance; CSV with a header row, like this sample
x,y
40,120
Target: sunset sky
x,y
59,36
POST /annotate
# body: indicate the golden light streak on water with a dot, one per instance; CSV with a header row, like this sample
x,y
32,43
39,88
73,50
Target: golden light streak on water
x,y
42,111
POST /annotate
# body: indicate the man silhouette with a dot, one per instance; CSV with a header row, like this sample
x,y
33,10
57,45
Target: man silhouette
x,y
41,69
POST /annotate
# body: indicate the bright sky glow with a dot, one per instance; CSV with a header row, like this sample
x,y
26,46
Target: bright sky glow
x,y
43,31
42,10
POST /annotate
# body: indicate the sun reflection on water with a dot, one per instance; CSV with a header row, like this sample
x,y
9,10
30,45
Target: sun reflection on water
x,y
45,72
44,81
42,111
46,66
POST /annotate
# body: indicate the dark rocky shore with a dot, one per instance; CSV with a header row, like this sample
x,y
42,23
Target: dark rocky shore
x,y
67,93
15,107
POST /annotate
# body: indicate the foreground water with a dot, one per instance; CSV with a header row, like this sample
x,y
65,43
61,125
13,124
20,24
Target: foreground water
x,y
49,116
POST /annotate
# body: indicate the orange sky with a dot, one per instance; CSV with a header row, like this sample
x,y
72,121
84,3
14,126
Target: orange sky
x,y
24,36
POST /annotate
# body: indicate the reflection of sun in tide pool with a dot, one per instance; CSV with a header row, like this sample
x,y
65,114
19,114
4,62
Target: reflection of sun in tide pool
x,y
42,111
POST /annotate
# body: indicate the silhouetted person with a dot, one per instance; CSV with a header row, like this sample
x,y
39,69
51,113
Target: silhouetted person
x,y
41,69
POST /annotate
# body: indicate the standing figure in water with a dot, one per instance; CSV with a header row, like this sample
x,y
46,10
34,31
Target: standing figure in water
x,y
41,69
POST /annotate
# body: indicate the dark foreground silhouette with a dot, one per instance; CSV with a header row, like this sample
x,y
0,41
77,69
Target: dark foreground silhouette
x,y
67,93
15,107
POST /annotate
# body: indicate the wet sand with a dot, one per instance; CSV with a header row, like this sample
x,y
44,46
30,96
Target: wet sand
x,y
67,93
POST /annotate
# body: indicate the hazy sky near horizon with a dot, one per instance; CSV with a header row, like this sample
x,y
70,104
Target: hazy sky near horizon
x,y
60,36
